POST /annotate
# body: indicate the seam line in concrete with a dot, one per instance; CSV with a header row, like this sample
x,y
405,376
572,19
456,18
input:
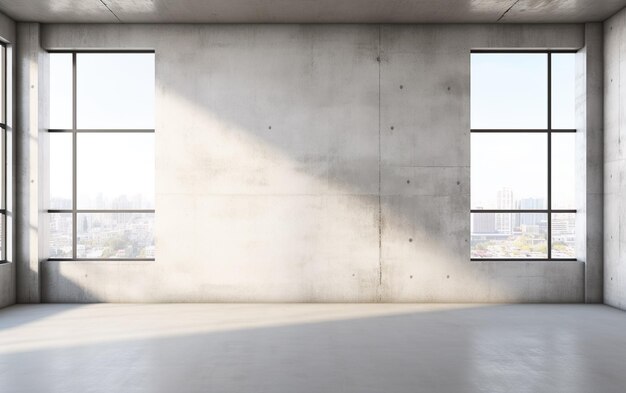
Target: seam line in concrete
x,y
380,216
110,10
619,133
507,11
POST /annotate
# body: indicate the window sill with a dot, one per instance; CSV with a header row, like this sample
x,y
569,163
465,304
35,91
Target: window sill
x,y
523,260
100,260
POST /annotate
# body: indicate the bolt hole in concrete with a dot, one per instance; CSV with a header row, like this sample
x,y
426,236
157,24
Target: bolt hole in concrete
x,y
448,276
408,182
410,240
392,127
410,276
269,128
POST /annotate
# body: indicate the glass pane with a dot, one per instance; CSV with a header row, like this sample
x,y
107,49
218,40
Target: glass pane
x,y
115,90
563,235
115,170
563,171
61,90
509,171
3,57
563,91
8,83
509,90
509,235
9,166
8,238
2,223
3,155
115,235
60,170
60,244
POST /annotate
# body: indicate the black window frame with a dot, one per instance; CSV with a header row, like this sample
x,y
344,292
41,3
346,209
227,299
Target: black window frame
x,y
75,131
548,131
3,153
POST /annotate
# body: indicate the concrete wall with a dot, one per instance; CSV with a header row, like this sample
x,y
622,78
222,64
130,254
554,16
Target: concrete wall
x,y
615,161
359,191
30,144
589,160
7,270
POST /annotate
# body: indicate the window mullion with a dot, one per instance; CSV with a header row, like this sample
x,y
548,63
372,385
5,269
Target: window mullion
x,y
4,237
74,160
549,156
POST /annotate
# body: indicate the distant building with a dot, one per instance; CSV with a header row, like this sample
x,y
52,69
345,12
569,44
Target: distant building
x,y
525,219
563,224
504,221
484,222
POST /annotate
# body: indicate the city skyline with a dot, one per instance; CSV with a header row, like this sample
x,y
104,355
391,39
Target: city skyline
x,y
521,235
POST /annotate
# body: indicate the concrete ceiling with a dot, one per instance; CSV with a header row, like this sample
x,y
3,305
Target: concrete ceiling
x,y
310,11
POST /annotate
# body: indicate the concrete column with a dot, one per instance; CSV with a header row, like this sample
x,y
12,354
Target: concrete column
x,y
7,270
589,160
29,137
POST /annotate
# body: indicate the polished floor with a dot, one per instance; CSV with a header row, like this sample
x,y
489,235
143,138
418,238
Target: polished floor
x,y
315,348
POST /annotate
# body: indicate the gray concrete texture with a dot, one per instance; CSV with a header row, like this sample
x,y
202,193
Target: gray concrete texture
x,y
318,207
8,270
307,11
589,160
29,171
312,348
615,162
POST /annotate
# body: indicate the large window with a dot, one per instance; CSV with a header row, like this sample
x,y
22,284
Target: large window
x,y
101,140
522,156
3,152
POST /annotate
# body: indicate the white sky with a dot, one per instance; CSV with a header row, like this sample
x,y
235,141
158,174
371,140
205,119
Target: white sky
x,y
113,91
509,91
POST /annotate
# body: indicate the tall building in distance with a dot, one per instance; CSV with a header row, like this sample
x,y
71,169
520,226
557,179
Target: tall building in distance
x,y
563,224
484,223
530,219
504,221
509,223
531,203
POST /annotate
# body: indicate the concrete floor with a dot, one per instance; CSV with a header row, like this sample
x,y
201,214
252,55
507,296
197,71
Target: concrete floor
x,y
312,348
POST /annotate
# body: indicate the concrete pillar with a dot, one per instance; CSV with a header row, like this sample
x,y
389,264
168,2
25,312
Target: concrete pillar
x,y
589,160
7,270
32,102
